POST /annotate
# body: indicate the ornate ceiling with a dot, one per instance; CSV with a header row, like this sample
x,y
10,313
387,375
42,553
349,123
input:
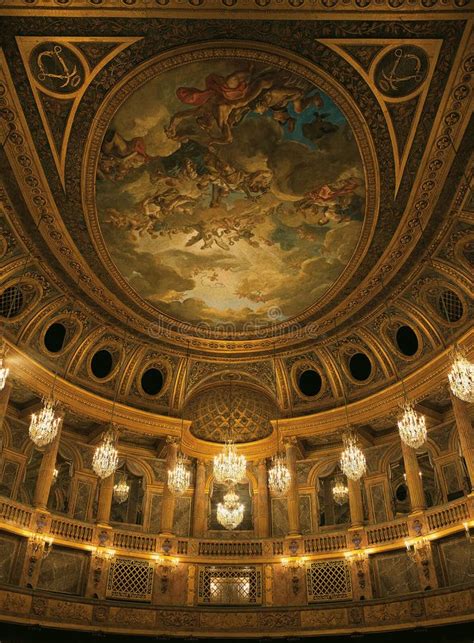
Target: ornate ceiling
x,y
274,195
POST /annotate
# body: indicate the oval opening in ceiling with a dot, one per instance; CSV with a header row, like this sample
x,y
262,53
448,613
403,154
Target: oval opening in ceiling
x,y
152,381
407,341
11,302
54,337
310,382
360,367
101,363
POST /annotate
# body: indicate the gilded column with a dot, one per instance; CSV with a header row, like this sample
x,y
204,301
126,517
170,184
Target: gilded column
x,y
413,478
355,502
4,399
199,508
263,526
46,473
106,491
465,433
167,507
292,497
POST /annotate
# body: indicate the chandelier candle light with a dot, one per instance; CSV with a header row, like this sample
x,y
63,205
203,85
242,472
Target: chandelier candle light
x,y
412,426
4,370
45,424
340,492
105,460
121,489
179,477
461,376
353,462
230,513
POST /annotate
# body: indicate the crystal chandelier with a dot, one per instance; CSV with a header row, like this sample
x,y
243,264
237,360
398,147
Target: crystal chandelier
x,y
179,477
279,477
412,426
4,370
353,463
45,424
231,513
105,458
461,376
229,466
121,489
340,492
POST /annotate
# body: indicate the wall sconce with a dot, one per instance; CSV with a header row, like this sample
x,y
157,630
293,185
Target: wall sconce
x,y
358,559
418,550
41,547
467,531
166,565
293,565
101,555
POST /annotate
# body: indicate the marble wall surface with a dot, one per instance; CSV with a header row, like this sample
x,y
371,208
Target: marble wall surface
x,y
9,545
394,574
64,570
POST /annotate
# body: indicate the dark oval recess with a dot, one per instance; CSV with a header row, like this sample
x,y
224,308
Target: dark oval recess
x,y
310,382
152,381
401,492
407,341
360,366
54,337
101,363
11,302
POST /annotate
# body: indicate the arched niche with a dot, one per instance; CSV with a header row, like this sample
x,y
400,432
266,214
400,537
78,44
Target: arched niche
x,y
60,494
330,512
130,511
216,495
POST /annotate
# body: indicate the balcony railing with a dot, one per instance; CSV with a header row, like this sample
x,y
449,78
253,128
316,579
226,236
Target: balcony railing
x,y
452,516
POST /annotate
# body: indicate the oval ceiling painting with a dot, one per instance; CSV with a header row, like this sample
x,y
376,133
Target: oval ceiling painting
x,y
230,192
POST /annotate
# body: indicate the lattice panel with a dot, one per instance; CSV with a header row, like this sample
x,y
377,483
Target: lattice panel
x,y
131,579
328,581
231,585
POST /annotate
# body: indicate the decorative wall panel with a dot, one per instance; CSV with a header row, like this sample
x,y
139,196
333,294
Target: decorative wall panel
x,y
279,517
328,580
9,475
379,507
182,516
83,493
130,579
394,574
155,512
230,585
305,514
457,560
9,545
64,570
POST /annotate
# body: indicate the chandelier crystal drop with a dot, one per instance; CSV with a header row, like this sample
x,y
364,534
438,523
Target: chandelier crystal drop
x,y
230,513
179,477
229,466
412,426
340,492
45,424
121,489
4,370
353,463
279,476
105,460
461,376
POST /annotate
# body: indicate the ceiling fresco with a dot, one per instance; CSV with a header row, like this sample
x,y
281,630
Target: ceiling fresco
x,y
236,190
216,167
